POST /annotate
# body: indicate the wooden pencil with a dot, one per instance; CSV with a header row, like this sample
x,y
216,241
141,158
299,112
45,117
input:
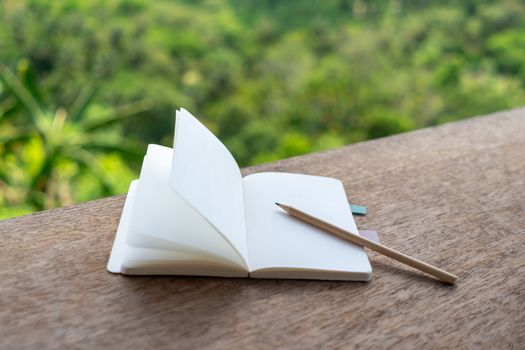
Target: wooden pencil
x,y
355,238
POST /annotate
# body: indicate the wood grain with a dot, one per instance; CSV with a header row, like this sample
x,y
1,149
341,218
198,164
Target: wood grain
x,y
452,196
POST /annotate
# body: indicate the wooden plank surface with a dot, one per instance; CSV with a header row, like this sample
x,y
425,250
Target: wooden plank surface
x,y
453,196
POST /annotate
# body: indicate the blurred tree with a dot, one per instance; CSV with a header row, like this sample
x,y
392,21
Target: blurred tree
x,y
50,146
271,78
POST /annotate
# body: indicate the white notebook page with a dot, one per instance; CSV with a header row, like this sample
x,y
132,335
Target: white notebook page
x,y
160,219
276,240
205,174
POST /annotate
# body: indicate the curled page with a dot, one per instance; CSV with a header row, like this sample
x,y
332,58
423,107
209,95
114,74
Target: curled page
x,y
205,174
160,219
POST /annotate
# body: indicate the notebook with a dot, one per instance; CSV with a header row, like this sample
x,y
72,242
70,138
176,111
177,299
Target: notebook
x,y
192,213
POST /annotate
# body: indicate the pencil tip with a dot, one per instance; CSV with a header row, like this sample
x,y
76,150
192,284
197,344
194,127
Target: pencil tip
x,y
278,204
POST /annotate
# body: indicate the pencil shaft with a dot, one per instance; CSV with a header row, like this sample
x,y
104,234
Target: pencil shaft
x,y
354,238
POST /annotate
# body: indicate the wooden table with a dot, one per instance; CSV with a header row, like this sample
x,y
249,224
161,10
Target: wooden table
x,y
453,196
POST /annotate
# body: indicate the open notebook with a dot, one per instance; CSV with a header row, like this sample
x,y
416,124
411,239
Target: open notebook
x,y
192,213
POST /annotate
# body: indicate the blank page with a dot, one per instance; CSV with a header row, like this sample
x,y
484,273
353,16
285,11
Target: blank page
x,y
205,174
128,259
160,219
280,242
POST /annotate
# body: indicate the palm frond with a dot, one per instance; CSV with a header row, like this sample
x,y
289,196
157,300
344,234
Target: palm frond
x,y
15,136
81,103
3,177
7,106
93,165
131,149
20,92
27,76
118,114
39,182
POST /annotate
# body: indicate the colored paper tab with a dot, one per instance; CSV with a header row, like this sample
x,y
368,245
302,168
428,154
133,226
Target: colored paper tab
x,y
358,209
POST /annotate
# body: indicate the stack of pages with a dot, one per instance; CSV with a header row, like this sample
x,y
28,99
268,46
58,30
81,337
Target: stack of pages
x,y
192,213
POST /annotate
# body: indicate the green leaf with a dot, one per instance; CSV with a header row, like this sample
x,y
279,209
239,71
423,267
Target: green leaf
x,y
28,77
91,163
81,103
40,181
21,93
15,136
132,149
7,106
3,177
118,114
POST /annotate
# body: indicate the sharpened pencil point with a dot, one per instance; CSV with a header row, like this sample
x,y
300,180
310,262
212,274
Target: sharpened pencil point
x,y
278,204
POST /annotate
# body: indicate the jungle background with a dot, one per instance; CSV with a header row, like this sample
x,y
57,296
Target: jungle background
x,y
86,85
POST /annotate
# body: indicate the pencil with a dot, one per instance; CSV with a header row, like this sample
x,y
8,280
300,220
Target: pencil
x,y
355,238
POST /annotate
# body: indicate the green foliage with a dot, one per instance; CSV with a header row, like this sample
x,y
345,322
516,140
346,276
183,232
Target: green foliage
x,y
45,150
272,79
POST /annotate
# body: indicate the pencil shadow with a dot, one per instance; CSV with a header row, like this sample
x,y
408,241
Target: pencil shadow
x,y
412,276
